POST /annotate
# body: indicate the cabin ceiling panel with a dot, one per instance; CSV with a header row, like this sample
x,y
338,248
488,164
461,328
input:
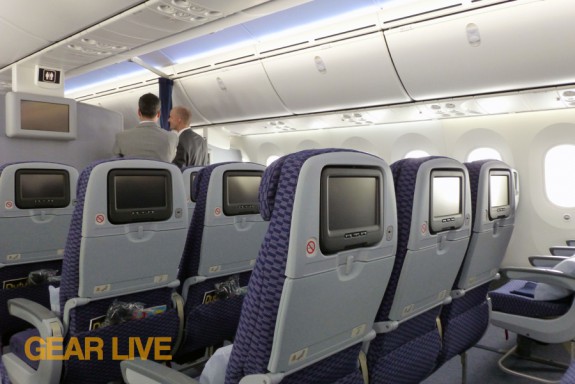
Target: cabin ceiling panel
x,y
55,19
12,52
134,26
152,20
349,74
224,6
237,93
48,22
514,46
107,36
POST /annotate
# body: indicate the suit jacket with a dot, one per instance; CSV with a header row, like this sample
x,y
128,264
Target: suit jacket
x,y
192,150
147,140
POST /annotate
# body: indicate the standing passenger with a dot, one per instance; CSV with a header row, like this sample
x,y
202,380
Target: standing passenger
x,y
147,140
192,148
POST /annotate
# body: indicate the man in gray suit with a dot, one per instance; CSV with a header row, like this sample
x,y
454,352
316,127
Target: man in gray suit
x,y
192,148
147,140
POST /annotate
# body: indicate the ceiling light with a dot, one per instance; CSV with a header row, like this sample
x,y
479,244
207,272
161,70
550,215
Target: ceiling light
x,y
355,118
197,18
569,95
89,41
75,47
166,9
104,45
181,3
212,13
182,14
195,8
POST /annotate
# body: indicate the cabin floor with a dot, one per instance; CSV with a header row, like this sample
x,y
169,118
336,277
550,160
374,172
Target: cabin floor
x,y
482,367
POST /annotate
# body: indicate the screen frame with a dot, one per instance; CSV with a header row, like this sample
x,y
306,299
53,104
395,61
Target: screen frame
x,y
14,116
501,211
231,209
334,241
451,221
127,216
35,203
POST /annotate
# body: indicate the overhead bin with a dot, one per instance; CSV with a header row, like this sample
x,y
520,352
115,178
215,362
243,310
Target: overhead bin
x,y
241,92
511,46
352,73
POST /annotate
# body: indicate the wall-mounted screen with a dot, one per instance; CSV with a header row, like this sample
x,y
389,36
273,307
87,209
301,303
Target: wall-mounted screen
x,y
42,188
351,208
139,195
446,200
240,192
40,116
499,194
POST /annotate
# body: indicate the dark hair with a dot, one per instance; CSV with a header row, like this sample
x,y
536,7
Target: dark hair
x,y
149,105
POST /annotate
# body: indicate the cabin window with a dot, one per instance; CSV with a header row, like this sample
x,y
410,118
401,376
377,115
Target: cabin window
x,y
415,154
484,153
560,175
271,159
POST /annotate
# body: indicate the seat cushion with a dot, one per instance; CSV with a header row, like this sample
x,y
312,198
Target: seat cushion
x,y
18,342
503,300
546,292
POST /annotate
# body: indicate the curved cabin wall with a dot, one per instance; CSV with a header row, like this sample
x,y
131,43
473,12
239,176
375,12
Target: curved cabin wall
x,y
522,139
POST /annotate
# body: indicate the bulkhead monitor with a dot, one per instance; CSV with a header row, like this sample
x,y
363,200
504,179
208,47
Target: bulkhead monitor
x,y
139,195
240,192
43,116
351,208
499,190
446,200
42,188
40,116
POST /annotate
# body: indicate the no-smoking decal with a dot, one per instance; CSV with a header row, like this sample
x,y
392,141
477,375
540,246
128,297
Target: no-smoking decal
x,y
310,247
100,219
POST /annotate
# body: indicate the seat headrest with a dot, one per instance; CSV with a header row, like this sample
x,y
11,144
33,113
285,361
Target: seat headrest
x,y
284,168
480,173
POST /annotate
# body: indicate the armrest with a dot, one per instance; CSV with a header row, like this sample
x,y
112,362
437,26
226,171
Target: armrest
x,y
49,325
545,261
562,251
46,321
541,275
570,243
139,371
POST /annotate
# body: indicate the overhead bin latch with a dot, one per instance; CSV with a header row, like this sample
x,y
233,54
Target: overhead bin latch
x,y
473,36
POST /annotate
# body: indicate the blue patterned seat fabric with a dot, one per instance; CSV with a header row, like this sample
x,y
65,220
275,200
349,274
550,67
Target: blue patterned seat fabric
x,y
206,325
503,300
96,371
569,376
407,354
253,343
37,293
466,319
